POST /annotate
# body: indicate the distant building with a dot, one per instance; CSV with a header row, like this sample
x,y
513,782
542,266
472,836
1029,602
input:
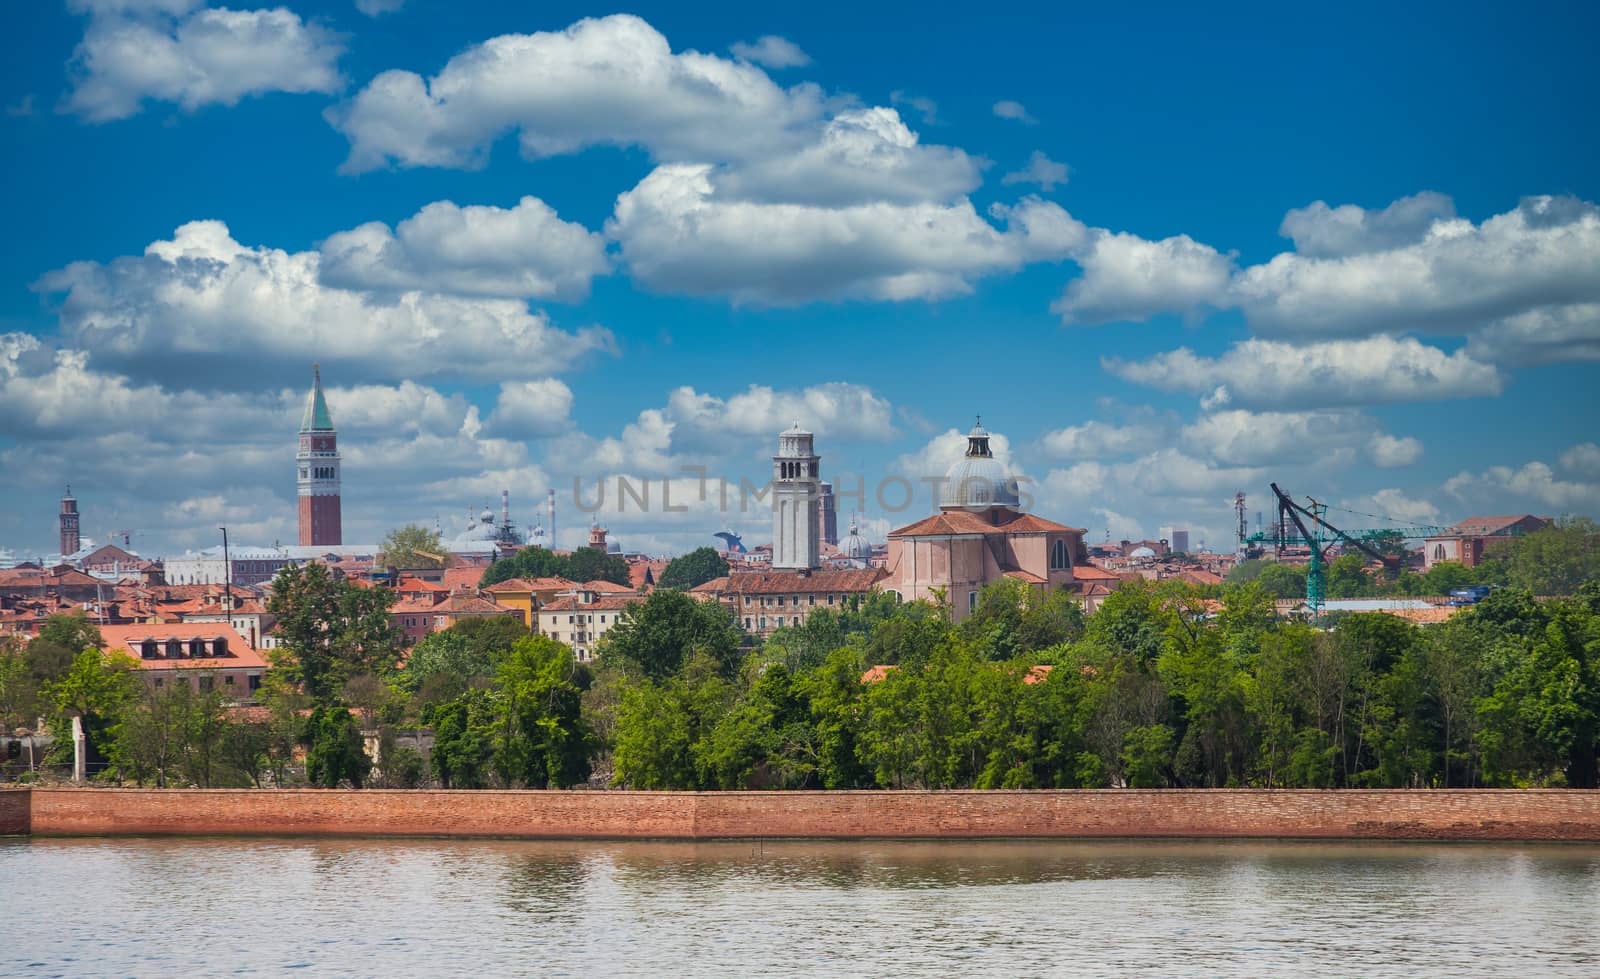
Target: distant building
x,y
581,618
980,536
318,465
1178,540
1466,540
69,523
206,655
795,496
828,515
764,601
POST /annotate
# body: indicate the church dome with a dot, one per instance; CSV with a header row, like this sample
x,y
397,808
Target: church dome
x,y
855,546
978,480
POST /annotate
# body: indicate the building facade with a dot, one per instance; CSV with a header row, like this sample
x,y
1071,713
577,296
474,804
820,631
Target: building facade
x,y
1466,541
979,536
70,542
317,463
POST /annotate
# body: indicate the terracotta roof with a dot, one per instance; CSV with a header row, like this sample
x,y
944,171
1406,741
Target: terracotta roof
x,y
792,582
1027,576
607,603
1431,615
465,604
410,584
126,639
1092,572
456,579
601,585
1490,526
711,587
876,673
510,584
1201,577
33,578
948,522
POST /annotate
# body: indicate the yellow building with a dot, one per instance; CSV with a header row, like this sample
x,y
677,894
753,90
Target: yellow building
x,y
528,595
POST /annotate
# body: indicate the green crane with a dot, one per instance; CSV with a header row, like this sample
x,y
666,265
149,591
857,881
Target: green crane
x,y
1292,531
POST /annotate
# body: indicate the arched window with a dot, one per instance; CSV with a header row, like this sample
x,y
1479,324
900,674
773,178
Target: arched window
x,y
1438,552
148,649
174,649
197,647
1060,557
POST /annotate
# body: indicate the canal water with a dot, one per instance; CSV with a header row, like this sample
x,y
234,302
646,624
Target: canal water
x,y
211,907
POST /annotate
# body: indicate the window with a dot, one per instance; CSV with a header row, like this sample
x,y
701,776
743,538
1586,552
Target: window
x,y
830,599
159,683
174,649
228,680
220,646
972,601
148,650
811,599
255,683
1438,552
747,622
795,600
763,622
1060,557
780,622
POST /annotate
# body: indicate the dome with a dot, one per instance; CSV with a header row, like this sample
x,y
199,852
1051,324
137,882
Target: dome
x,y
1142,552
855,546
978,480
612,547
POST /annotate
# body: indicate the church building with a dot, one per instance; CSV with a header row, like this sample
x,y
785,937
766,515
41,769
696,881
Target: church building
x,y
980,535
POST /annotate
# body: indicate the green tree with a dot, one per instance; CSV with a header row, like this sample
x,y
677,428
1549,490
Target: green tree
x,y
412,547
1347,577
98,688
335,753
1283,580
656,637
541,739
330,630
695,568
19,689
463,731
583,564
62,636
1554,560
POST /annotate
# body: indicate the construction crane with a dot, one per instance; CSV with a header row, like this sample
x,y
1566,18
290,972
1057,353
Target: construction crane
x,y
1292,531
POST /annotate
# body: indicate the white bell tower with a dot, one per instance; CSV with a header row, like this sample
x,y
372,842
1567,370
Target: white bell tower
x,y
795,491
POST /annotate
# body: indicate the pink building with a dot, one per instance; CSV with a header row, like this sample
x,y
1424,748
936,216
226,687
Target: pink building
x,y
979,536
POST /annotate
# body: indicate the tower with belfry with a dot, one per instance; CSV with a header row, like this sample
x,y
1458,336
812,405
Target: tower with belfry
x,y
318,466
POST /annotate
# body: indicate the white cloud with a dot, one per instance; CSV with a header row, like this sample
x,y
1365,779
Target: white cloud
x,y
944,450
836,410
532,408
1546,335
1095,439
1582,460
859,156
1397,505
676,236
1238,437
524,251
606,81
1389,452
1320,231
1041,170
133,51
376,8
1007,109
1126,277
771,51
1271,373
1531,488
1455,279
202,300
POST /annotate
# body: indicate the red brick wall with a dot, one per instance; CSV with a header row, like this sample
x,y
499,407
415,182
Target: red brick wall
x,y
1453,814
14,812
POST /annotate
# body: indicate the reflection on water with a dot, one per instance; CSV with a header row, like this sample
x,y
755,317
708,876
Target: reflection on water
x,y
403,908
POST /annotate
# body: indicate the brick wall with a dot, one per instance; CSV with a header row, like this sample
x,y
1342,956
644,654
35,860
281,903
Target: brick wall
x,y
14,812
1378,814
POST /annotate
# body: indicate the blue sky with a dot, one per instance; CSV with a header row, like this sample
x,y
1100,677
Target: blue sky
x,y
1168,256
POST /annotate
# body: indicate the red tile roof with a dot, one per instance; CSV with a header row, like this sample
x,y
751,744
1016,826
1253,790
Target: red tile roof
x,y
1027,576
606,603
951,522
1490,526
126,639
711,587
601,585
794,583
1091,572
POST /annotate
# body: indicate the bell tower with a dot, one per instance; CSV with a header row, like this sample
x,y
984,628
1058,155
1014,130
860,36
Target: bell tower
x,y
318,470
796,491
69,524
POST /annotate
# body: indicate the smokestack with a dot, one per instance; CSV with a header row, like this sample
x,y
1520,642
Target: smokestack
x,y
550,538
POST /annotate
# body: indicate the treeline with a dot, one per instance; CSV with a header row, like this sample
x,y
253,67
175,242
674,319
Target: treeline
x,y
1163,686
583,564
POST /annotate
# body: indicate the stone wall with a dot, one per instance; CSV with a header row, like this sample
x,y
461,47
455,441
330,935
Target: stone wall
x,y
1444,814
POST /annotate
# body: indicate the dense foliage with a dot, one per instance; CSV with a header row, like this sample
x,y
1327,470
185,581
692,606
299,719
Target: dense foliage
x,y
583,564
695,568
412,546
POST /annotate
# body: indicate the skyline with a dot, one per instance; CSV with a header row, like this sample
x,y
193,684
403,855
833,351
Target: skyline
x,y
528,247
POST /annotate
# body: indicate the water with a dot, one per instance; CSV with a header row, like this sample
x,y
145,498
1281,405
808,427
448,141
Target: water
x,y
151,907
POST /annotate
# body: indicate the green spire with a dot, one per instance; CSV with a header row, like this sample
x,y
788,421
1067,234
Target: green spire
x,y
316,418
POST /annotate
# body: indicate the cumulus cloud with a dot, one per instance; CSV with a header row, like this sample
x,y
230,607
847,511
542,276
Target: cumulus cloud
x,y
1126,277
1320,231
1007,109
1390,452
167,51
839,409
602,81
527,409
1096,439
1041,170
771,51
1455,278
1397,505
204,301
524,251
677,236
1547,335
1532,487
1582,460
1271,373
1250,438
